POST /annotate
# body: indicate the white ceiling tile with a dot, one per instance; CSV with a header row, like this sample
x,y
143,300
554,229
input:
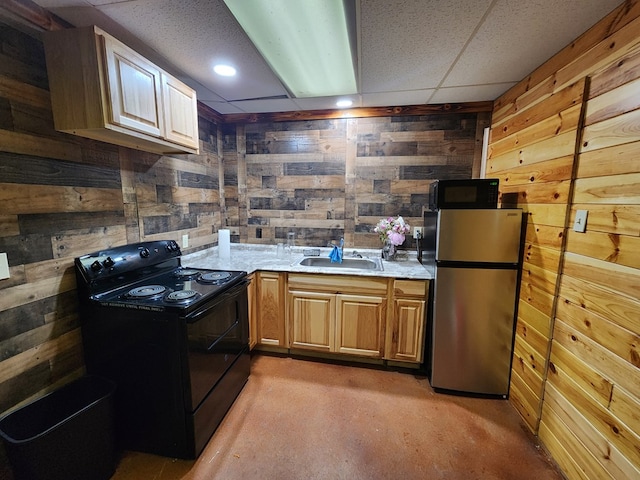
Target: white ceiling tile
x,y
412,97
322,103
517,35
266,105
203,93
407,48
224,108
474,93
48,4
195,36
411,44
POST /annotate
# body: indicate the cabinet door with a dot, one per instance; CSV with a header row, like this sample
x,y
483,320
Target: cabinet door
x,y
180,112
270,309
360,325
312,320
253,317
407,330
134,89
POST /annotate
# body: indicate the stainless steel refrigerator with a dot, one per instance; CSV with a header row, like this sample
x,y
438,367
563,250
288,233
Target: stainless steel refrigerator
x,y
475,257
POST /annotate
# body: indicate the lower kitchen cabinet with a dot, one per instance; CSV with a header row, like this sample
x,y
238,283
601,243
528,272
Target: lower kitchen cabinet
x,y
369,317
312,320
406,326
337,314
360,324
253,317
270,308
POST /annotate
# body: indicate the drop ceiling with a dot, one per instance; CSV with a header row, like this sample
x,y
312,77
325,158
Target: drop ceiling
x,y
410,52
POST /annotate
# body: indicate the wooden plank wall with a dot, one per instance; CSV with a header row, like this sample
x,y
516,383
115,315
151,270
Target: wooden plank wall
x,y
531,152
593,390
581,291
63,196
326,179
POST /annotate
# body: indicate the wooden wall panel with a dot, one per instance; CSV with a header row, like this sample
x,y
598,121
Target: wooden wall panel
x,y
595,312
576,431
62,197
326,179
543,81
613,160
523,397
595,308
604,421
621,249
540,114
532,153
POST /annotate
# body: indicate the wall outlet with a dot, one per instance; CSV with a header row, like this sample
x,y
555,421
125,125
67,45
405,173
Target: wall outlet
x,y
418,232
185,240
580,223
4,266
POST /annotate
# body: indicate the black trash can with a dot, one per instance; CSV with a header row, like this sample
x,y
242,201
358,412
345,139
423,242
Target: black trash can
x,y
67,434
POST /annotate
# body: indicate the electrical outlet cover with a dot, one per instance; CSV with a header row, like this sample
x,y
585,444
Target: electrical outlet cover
x,y
4,266
580,223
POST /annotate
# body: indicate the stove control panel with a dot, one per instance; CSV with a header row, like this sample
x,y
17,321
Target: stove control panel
x,y
125,259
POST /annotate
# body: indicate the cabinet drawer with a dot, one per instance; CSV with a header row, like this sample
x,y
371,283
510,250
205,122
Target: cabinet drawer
x,y
412,288
338,283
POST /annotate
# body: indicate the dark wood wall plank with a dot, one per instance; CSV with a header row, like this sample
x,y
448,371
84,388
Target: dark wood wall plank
x,y
326,179
64,196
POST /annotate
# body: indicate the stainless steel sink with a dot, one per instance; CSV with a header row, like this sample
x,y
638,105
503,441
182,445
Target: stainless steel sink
x,y
357,263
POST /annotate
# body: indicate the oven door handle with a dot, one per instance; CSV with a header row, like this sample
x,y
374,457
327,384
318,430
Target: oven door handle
x,y
215,342
218,300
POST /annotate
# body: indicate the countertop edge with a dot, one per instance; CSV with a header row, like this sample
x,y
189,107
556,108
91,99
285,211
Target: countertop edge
x,y
255,257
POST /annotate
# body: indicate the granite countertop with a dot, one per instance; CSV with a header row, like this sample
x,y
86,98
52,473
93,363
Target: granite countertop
x,y
253,257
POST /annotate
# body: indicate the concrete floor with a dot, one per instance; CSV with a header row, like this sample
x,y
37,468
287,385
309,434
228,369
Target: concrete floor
x,y
303,419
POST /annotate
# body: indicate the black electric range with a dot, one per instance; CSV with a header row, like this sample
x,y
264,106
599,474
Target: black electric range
x,y
173,338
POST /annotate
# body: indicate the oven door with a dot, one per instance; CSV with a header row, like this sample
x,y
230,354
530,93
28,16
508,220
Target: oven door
x,y
217,333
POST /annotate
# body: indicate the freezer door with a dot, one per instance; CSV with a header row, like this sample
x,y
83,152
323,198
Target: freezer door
x,y
479,235
473,322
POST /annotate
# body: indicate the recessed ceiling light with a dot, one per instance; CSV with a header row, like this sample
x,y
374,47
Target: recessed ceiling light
x,y
344,103
224,70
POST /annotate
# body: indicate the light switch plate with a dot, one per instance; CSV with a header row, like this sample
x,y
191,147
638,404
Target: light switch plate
x,y
4,266
580,223
185,241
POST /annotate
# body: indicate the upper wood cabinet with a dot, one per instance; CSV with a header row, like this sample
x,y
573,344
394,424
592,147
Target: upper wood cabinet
x,y
102,89
180,112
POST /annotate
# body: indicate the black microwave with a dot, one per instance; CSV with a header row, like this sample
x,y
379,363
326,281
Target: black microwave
x,y
464,194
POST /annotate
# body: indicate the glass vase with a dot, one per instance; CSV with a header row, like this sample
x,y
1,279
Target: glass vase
x,y
389,252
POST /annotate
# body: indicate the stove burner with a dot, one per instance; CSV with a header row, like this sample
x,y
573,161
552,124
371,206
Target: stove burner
x,y
186,273
181,295
146,291
214,277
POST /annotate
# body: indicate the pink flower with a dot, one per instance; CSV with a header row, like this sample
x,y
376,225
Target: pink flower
x,y
392,229
396,238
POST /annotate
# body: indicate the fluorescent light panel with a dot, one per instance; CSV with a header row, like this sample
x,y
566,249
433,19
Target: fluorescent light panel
x,y
306,43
